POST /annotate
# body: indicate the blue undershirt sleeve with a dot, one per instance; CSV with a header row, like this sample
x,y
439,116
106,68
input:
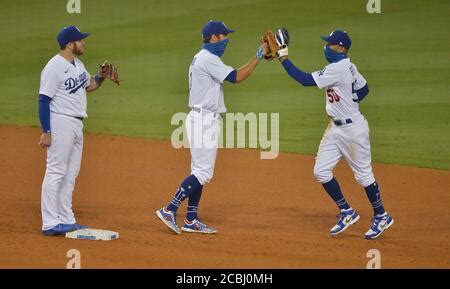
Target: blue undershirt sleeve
x,y
303,78
231,77
362,92
44,112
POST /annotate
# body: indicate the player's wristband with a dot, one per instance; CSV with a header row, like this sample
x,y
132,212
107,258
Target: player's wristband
x,y
99,79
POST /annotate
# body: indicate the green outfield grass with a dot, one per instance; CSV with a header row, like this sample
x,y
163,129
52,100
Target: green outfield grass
x,y
404,53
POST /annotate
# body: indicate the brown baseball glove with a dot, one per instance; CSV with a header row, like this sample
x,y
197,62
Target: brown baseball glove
x,y
109,70
271,47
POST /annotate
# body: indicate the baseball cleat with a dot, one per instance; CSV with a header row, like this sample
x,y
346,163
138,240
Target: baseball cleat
x,y
346,219
380,224
195,226
59,229
169,219
76,226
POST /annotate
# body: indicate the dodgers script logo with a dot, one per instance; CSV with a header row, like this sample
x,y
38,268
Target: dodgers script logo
x,y
74,84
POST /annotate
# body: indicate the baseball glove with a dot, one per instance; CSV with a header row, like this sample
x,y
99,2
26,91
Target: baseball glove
x,y
271,47
109,70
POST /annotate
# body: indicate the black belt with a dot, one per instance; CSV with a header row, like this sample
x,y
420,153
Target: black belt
x,y
77,117
340,122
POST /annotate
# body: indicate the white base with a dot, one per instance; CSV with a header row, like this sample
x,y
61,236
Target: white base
x,y
93,234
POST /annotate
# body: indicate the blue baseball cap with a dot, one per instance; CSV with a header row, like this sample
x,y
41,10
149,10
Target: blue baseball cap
x,y
70,34
339,37
215,27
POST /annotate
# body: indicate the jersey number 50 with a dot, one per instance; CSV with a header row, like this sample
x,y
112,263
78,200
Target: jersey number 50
x,y
332,95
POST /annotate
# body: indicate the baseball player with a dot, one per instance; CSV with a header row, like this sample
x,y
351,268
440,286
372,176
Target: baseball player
x,y
207,74
62,108
347,135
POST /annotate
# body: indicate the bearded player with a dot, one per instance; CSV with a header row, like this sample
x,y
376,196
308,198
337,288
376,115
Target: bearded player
x,y
62,109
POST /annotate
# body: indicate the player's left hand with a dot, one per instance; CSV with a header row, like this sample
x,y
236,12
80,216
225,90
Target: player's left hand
x,y
109,70
271,47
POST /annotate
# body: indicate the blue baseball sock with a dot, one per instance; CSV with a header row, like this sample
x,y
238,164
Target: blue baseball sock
x,y
189,186
374,195
333,189
192,209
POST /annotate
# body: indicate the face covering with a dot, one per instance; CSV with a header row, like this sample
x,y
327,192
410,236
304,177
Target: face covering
x,y
217,48
333,56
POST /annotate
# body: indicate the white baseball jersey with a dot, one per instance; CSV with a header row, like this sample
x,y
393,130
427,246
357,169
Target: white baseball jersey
x,y
206,75
349,141
65,83
341,79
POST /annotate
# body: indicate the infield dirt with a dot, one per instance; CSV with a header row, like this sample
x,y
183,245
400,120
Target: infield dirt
x,y
269,213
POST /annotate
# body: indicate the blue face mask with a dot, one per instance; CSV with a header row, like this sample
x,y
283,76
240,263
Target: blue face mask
x,y
333,56
217,48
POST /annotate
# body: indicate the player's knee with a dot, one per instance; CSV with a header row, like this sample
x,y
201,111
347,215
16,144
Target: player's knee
x,y
58,171
203,176
322,175
365,180
207,177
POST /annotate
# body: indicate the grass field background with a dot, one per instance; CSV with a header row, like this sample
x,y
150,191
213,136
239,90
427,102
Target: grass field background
x,y
404,53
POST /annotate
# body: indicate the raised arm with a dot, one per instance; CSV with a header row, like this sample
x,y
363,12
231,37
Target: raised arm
x,y
105,70
300,76
239,75
304,78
